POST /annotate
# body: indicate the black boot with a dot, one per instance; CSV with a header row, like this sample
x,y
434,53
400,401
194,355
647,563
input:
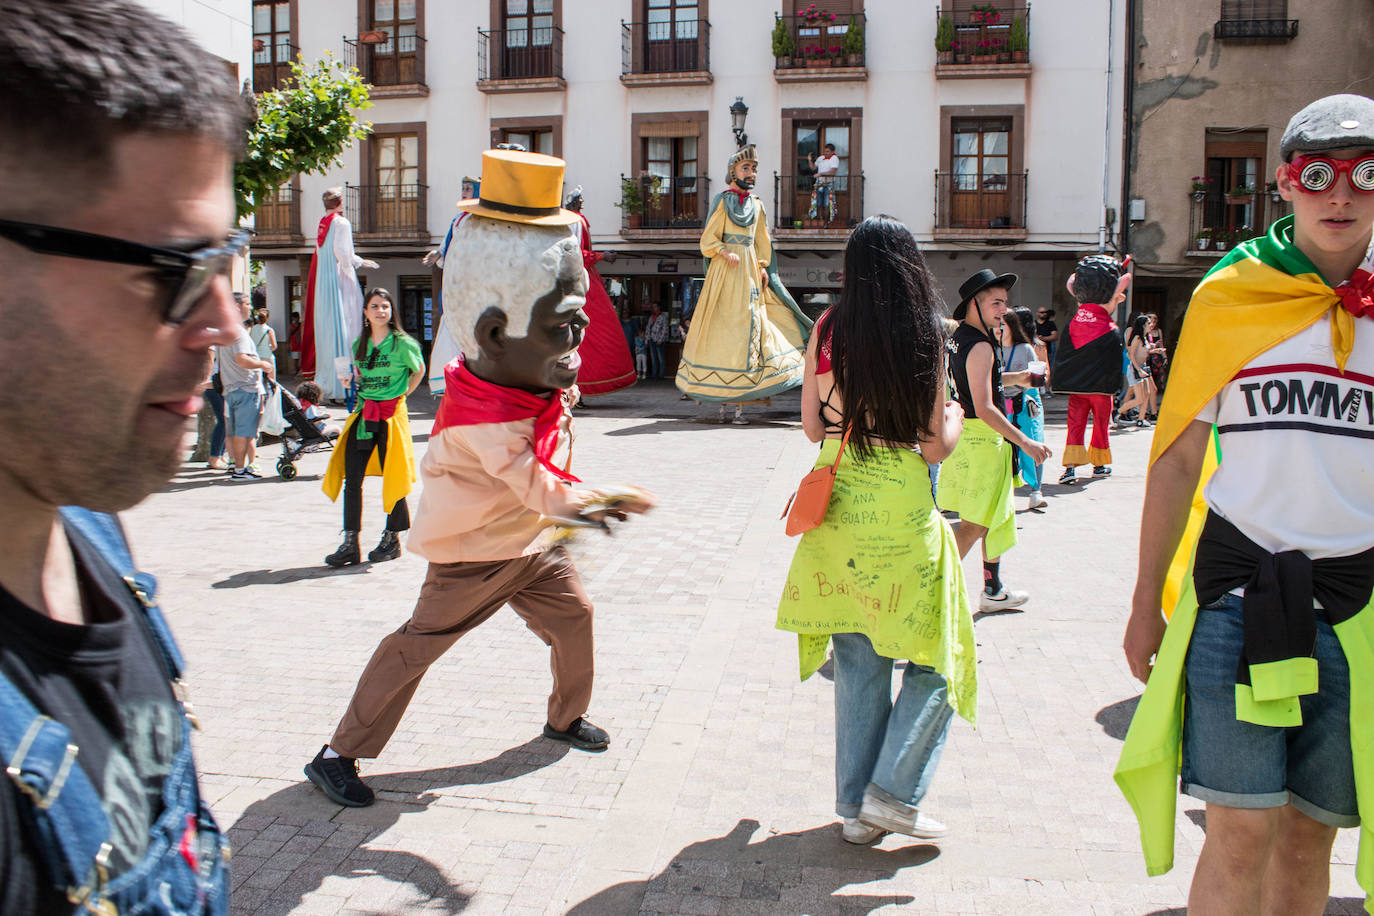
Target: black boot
x,y
348,552
388,548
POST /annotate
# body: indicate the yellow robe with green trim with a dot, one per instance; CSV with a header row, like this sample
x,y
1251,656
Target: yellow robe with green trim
x,y
1241,309
398,477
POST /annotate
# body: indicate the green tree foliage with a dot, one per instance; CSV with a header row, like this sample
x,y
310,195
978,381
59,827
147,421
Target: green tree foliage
x,y
303,127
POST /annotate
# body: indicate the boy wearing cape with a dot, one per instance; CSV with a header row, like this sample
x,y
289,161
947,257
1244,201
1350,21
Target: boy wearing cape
x,y
1258,537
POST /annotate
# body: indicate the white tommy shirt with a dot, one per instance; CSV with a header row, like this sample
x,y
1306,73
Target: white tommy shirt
x,y
1297,446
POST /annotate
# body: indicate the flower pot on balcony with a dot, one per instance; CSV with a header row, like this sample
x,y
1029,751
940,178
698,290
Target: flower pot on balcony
x,y
855,60
1276,197
1020,57
1219,245
944,57
784,63
796,224
1199,196
1202,243
961,57
635,219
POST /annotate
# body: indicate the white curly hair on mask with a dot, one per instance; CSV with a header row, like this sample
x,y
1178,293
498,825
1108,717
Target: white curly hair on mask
x,y
492,262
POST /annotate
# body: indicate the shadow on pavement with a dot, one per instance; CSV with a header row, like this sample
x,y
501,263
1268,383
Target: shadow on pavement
x,y
1198,816
670,424
1116,718
304,806
999,612
770,873
285,576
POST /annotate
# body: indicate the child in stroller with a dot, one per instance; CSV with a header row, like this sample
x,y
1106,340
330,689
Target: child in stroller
x,y
308,422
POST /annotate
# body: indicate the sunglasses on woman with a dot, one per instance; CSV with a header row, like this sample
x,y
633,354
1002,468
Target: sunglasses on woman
x,y
1316,174
183,275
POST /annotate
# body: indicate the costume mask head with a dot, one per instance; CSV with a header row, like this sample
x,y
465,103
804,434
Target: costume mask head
x,y
1099,279
739,180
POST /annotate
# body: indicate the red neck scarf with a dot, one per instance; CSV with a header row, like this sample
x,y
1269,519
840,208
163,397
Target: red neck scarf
x,y
743,195
1089,323
469,401
1357,294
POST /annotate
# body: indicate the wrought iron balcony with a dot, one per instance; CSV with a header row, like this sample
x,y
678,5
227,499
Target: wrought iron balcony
x,y
387,60
984,42
665,48
817,42
389,210
654,202
1218,221
811,202
520,54
272,64
973,206
1255,21
277,217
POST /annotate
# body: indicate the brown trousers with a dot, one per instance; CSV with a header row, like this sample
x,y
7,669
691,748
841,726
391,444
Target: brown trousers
x,y
455,599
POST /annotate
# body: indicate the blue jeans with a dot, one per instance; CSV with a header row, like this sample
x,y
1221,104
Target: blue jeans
x,y
655,360
895,746
351,395
1242,765
216,402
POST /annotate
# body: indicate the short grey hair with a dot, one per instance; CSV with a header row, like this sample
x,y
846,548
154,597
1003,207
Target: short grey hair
x,y
501,264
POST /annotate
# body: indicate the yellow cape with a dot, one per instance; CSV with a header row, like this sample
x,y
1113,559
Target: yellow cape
x,y
399,474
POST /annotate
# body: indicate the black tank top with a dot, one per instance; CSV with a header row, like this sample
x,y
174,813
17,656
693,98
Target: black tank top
x,y
965,338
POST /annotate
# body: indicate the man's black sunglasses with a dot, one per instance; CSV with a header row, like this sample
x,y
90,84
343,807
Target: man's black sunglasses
x,y
185,275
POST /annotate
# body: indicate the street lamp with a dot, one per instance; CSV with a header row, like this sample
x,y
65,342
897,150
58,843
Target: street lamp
x,y
738,112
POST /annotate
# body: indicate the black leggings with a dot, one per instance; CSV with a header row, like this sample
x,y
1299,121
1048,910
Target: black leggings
x,y
356,454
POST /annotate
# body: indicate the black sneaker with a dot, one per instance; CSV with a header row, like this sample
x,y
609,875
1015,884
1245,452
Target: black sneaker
x,y
337,777
581,734
1068,476
1101,470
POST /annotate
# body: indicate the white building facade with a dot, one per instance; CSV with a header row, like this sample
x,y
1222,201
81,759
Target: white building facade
x,y
993,133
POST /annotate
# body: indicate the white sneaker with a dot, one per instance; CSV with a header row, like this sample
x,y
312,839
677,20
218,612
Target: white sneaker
x,y
1004,600
1036,500
895,817
860,834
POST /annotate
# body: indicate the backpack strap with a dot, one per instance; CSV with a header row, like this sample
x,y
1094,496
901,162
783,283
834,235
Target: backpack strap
x,y
70,829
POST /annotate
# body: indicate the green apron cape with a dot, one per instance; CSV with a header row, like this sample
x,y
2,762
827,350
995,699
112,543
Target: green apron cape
x,y
976,482
884,563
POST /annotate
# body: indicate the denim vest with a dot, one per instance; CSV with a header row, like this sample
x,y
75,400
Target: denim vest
x,y
185,869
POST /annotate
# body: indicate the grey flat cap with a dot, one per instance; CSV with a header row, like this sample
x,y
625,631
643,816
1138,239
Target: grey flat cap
x,y
1335,122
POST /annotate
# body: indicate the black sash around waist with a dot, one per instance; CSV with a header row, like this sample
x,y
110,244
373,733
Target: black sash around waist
x,y
1280,590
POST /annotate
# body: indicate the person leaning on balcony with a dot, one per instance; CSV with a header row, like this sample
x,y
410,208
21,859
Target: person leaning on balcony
x,y
1258,535
823,191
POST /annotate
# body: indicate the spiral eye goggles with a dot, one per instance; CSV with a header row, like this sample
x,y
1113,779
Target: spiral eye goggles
x,y
1317,174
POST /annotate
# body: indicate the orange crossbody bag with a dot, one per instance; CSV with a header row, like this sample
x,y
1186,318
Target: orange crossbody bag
x,y
806,509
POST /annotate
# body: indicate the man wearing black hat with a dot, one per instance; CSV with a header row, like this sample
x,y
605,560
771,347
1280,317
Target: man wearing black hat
x,y
1087,364
976,480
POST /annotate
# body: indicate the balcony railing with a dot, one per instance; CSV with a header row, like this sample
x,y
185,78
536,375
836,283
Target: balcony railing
x,y
520,54
278,214
664,203
970,203
817,41
1255,29
977,38
809,202
394,61
397,210
665,47
272,65
1218,221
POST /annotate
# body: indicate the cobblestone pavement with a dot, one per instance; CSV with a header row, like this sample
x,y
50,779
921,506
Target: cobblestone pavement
x,y
716,795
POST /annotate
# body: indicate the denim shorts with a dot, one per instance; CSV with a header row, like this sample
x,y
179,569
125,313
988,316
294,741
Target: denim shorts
x,y
243,408
1242,765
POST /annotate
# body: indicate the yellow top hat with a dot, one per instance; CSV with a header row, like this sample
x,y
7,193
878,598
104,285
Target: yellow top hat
x,y
522,188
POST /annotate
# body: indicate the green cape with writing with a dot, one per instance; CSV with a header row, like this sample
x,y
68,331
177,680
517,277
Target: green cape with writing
x,y
883,563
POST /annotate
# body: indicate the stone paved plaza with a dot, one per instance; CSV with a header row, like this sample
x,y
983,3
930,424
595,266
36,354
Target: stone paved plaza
x,y
716,795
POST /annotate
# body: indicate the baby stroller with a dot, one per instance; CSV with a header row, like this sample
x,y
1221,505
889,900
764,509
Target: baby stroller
x,y
308,436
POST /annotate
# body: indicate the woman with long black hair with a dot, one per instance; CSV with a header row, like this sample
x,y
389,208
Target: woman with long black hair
x,y
1137,372
880,578
375,440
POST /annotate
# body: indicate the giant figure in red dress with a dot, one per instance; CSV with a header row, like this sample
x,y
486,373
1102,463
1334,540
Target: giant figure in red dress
x,y
606,361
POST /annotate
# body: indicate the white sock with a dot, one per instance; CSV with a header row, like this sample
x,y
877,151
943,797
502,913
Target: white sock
x,y
330,753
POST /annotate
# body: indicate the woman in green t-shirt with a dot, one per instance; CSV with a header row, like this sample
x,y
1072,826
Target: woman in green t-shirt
x,y
389,366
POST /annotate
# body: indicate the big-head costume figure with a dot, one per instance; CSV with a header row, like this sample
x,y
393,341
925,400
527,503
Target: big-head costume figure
x,y
496,473
1257,538
1087,364
748,338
